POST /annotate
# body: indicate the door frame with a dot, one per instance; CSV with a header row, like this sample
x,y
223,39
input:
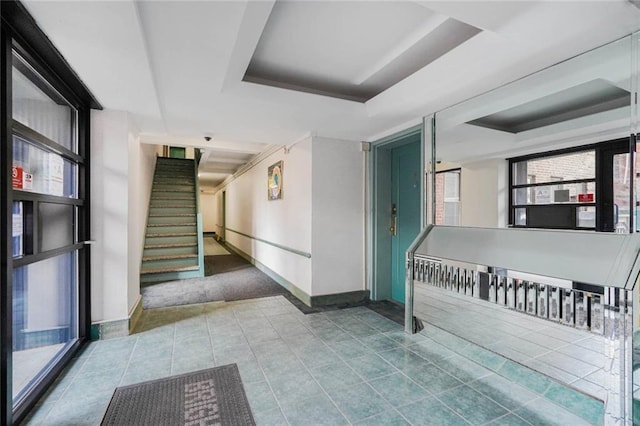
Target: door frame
x,y
379,184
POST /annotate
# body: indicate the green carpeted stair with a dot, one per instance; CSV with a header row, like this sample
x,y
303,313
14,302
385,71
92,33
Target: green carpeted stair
x,y
173,243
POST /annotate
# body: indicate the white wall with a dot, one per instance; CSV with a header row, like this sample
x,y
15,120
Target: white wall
x,y
208,208
338,216
142,161
483,194
115,213
286,222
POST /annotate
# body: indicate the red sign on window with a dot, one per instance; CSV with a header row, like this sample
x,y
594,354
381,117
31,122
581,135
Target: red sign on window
x,y
16,177
585,198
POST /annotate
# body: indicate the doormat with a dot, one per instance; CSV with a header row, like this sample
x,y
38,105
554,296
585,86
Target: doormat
x,y
208,397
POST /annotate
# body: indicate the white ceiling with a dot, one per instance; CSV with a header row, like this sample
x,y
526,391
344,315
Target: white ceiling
x,y
178,67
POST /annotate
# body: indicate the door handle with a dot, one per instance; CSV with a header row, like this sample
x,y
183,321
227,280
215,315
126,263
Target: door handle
x,y
394,225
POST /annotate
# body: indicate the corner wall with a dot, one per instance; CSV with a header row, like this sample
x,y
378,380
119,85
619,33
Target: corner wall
x,y
121,176
337,217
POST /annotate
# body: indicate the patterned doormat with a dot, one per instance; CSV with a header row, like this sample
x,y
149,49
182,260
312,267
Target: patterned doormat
x,y
208,397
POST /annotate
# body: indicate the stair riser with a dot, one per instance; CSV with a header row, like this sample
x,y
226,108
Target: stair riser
x,y
168,229
168,187
171,240
169,251
178,263
155,210
172,219
173,202
168,276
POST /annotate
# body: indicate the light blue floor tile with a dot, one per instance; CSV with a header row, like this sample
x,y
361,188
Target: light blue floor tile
x,y
335,375
186,365
260,396
503,391
317,411
350,349
463,369
388,418
509,420
543,412
432,378
358,402
471,405
272,417
403,358
398,389
371,366
525,377
430,412
293,387
379,342
576,402
431,351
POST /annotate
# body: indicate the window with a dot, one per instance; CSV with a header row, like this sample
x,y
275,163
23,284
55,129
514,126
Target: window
x,y
45,270
584,188
448,197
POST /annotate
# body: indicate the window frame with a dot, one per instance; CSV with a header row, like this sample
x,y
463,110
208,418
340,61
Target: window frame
x,y
598,148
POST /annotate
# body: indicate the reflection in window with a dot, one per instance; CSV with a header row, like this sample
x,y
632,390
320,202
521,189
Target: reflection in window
x,y
37,170
448,197
44,317
40,107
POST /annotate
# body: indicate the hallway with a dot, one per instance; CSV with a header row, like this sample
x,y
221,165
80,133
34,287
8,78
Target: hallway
x,y
349,366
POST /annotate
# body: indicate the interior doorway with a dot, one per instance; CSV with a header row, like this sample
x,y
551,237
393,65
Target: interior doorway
x,y
398,209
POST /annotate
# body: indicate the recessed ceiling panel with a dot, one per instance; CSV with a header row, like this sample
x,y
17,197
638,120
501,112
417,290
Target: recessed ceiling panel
x,y
350,50
585,99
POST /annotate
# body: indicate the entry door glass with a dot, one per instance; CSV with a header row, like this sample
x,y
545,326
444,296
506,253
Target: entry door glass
x,y
406,179
46,208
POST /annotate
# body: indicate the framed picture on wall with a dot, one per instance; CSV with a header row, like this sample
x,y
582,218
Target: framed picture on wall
x,y
274,182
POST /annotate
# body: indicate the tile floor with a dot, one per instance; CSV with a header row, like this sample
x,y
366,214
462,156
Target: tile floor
x,y
570,355
349,366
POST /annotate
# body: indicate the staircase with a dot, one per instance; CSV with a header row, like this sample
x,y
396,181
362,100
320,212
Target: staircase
x,y
173,247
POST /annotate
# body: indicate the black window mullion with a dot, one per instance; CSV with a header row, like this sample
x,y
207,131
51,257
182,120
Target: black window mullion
x,y
35,196
38,257
553,183
6,229
44,142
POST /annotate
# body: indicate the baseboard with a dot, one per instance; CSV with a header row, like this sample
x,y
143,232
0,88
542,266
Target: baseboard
x,y
300,294
135,314
110,329
350,297
118,328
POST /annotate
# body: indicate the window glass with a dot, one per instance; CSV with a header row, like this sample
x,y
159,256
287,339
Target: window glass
x,y
44,316
579,165
56,225
40,107
37,170
448,198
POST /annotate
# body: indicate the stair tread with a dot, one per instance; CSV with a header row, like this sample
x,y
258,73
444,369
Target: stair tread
x,y
173,234
145,271
172,215
160,225
169,257
169,245
172,206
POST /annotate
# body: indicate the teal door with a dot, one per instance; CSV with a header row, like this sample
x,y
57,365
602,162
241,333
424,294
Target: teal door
x,y
405,210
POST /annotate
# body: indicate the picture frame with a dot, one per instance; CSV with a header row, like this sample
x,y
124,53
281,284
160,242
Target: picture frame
x,y
275,181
